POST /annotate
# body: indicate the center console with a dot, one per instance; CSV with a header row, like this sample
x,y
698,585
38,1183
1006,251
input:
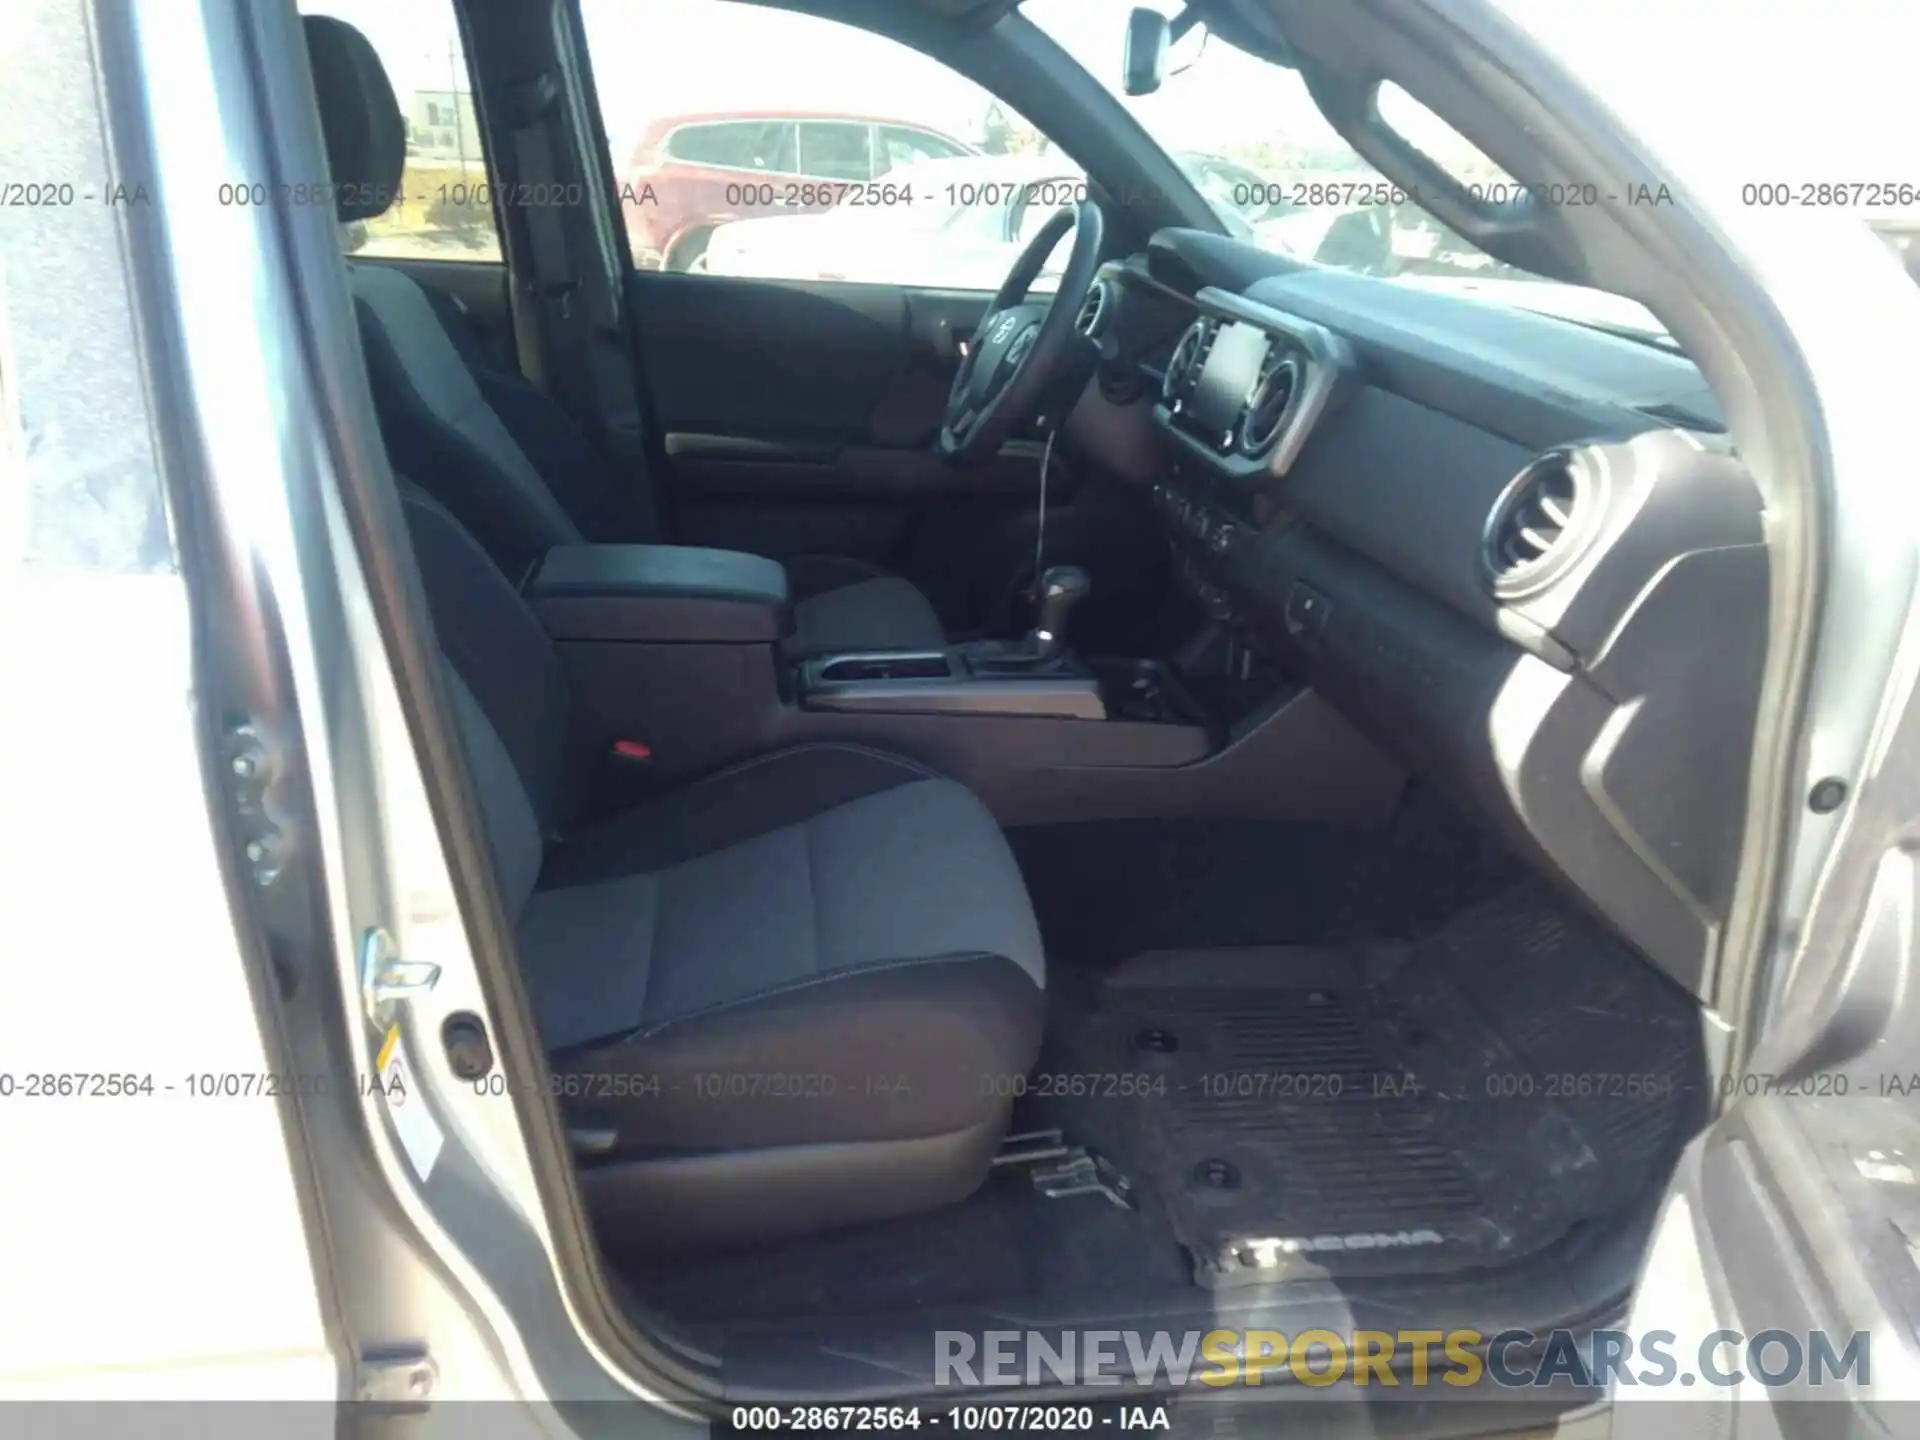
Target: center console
x,y
960,680
680,660
1036,675
678,667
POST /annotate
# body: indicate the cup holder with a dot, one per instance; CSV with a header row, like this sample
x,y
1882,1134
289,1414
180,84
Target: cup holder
x,y
854,669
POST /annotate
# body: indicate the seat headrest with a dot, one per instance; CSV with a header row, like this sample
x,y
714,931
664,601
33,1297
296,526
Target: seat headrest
x,y
366,138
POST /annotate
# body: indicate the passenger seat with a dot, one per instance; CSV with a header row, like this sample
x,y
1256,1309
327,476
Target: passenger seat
x,y
790,996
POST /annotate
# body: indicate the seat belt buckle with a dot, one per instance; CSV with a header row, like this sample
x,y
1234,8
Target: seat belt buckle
x,y
627,753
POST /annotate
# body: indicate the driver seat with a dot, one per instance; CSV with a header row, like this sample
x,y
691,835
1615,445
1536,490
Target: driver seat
x,y
502,457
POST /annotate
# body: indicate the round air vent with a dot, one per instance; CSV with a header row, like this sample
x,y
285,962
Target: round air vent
x,y
1184,368
1271,403
1543,521
1093,310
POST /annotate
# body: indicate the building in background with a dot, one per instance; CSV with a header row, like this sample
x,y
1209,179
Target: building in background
x,y
442,130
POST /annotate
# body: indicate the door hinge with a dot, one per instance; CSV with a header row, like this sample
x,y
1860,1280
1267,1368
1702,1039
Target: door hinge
x,y
396,1375
254,764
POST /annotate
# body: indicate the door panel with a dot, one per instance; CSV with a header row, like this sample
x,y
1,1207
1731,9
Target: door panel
x,y
725,468
799,418
797,363
797,377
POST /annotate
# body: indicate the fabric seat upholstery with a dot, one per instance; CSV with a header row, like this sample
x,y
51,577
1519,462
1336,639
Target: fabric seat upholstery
x,y
889,919
496,451
794,994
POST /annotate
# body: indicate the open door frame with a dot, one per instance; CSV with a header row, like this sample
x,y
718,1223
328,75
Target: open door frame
x,y
1798,1210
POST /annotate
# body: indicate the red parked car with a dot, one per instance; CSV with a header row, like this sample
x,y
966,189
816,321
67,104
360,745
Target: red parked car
x,y
692,173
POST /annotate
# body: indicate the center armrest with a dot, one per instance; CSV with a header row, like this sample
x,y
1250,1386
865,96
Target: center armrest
x,y
661,593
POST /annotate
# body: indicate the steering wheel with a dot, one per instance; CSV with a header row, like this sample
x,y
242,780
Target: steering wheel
x,y
1018,350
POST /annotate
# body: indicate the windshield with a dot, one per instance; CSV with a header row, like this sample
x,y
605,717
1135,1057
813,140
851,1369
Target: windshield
x,y
1250,137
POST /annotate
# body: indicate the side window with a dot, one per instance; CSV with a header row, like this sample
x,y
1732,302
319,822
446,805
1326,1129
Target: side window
x,y
772,144
444,209
1028,221
762,145
836,150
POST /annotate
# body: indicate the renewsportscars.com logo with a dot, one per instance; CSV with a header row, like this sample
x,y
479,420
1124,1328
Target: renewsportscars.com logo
x,y
1510,1359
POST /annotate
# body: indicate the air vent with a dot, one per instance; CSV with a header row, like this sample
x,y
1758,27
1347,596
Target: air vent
x,y
1093,310
1543,521
1184,368
1271,403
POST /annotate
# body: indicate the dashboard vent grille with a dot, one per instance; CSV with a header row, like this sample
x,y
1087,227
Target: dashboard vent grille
x,y
1184,368
1093,310
1270,404
1542,522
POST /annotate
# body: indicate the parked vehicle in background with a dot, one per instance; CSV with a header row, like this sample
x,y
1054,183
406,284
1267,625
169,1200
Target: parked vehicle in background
x,y
690,174
1384,240
957,223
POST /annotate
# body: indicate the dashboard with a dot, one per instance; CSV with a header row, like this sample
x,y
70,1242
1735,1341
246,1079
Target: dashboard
x,y
1246,384
1519,553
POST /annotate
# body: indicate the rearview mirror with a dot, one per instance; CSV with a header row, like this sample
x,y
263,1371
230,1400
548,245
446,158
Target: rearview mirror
x,y
1145,60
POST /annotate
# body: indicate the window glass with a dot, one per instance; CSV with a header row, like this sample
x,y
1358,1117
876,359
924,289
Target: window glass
x,y
444,209
1436,139
892,167
765,145
901,147
836,151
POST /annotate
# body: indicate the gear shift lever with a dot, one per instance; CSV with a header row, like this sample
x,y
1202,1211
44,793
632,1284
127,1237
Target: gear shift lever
x,y
1062,587
1043,651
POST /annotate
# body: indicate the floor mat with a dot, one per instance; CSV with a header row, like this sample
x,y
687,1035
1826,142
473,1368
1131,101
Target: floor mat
x,y
1393,1109
1005,1246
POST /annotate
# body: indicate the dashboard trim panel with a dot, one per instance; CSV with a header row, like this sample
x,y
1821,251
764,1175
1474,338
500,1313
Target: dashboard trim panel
x,y
1329,359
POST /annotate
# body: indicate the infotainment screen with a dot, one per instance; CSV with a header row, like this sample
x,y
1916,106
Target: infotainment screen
x,y
1233,365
